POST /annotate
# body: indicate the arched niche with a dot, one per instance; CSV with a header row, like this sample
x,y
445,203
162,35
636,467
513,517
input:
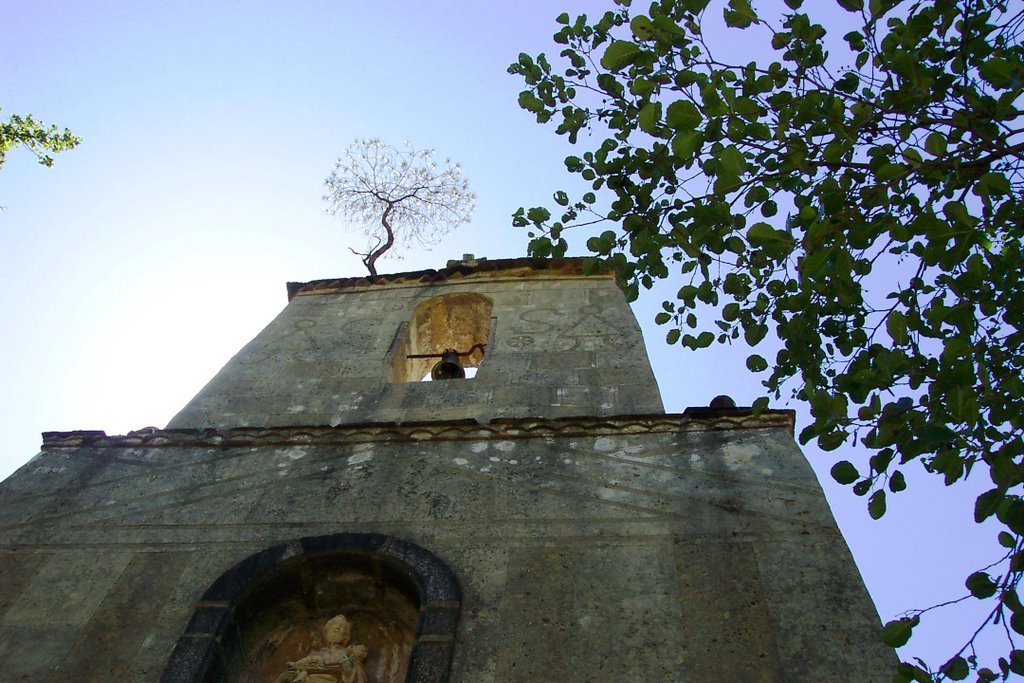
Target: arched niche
x,y
270,608
458,321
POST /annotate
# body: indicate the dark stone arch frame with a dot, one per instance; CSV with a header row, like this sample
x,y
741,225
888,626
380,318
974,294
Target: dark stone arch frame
x,y
198,657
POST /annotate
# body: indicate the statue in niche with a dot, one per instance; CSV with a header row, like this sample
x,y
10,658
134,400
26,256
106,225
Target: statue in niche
x,y
336,662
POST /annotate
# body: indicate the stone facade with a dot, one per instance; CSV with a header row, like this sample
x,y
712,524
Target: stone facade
x,y
558,344
544,520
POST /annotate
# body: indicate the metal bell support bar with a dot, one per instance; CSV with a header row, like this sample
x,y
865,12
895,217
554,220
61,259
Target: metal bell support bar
x,y
449,366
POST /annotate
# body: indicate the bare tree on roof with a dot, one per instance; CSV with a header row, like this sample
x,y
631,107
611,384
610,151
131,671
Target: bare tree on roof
x,y
398,195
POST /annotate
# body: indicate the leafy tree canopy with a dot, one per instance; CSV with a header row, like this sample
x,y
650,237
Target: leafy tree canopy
x,y
862,198
35,136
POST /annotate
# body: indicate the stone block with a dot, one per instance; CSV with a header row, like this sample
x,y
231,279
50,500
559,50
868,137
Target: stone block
x,y
33,652
129,614
17,569
68,588
537,617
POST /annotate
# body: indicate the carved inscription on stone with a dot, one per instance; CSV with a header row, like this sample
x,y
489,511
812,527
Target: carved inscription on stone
x,y
520,341
538,320
336,662
586,328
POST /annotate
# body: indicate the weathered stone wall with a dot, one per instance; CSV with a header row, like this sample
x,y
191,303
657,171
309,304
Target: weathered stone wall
x,y
595,539
562,344
660,548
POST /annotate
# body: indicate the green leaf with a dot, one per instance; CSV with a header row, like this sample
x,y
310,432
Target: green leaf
x,y
935,144
754,333
876,504
683,115
890,171
956,212
956,668
739,14
756,363
685,144
832,440
851,5
879,8
908,672
992,184
529,102
911,156
896,633
642,27
880,461
726,183
981,585
1017,661
1017,622
986,675
732,160
538,214
896,326
997,71
649,117
620,54
1009,510
897,482
777,242
662,318
987,504
844,472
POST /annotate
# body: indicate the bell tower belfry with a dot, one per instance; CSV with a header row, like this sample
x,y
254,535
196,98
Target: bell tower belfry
x,y
543,339
462,475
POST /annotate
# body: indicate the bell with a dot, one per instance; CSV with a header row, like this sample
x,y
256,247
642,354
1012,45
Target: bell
x,y
448,367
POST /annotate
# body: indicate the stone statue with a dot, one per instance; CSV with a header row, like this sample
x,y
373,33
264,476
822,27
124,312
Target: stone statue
x,y
336,662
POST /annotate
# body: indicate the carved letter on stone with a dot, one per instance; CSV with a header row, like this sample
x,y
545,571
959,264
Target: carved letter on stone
x,y
336,662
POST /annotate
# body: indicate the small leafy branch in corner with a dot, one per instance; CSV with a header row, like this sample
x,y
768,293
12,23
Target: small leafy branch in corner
x,y
864,202
398,195
36,137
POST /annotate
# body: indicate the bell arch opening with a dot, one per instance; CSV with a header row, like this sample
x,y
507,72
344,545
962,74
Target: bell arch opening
x,y
458,322
345,608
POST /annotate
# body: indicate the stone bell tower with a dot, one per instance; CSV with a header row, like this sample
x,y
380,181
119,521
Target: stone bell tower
x,y
324,511
546,340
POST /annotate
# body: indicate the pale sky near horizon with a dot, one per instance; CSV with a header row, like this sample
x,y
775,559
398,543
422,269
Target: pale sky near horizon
x,y
144,259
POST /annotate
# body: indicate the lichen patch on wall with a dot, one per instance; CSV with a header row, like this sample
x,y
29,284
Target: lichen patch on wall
x,y
738,456
361,453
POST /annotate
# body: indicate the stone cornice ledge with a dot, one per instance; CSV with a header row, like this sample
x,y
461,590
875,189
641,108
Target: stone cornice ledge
x,y
455,272
692,420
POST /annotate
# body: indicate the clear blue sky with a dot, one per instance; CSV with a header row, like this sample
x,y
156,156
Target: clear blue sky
x,y
144,259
